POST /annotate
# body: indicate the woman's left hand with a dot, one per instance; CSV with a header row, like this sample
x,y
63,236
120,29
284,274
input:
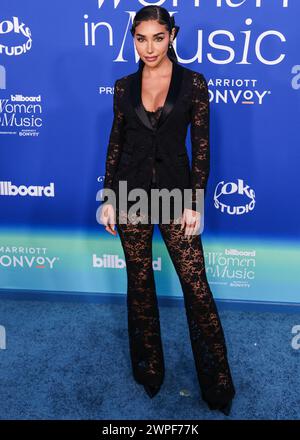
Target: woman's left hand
x,y
191,221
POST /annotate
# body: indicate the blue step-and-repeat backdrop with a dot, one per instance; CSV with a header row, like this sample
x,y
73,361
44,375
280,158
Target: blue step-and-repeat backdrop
x,y
58,64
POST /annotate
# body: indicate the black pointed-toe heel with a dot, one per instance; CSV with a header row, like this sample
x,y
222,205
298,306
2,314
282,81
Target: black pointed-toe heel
x,y
152,390
226,408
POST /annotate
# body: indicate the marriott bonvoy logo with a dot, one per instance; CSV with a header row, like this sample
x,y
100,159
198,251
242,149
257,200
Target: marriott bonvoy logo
x,y
8,189
26,257
236,91
109,261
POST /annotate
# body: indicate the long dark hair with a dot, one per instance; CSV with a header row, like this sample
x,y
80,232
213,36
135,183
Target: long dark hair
x,y
163,17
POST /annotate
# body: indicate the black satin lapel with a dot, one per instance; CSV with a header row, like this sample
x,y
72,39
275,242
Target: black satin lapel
x,y
136,100
173,93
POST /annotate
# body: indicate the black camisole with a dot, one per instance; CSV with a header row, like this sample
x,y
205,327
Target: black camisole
x,y
153,117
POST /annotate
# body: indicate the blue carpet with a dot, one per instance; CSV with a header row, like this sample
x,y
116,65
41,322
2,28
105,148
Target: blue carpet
x,y
67,360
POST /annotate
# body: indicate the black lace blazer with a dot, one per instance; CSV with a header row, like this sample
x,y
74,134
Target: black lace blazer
x,y
135,146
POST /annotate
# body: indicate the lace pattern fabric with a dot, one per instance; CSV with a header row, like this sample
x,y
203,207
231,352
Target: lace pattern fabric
x,y
200,116
205,329
186,252
116,137
154,117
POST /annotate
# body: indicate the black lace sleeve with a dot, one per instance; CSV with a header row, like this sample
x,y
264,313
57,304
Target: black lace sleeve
x,y
115,139
200,113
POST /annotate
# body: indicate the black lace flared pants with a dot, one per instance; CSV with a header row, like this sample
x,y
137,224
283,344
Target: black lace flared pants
x,y
205,329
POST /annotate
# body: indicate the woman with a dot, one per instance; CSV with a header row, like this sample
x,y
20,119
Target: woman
x,y
152,109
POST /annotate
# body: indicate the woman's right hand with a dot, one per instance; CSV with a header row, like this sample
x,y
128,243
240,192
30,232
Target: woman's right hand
x,y
107,217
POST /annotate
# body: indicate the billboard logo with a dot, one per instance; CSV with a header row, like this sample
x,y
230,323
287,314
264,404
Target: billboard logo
x,y
21,98
7,189
22,113
108,261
